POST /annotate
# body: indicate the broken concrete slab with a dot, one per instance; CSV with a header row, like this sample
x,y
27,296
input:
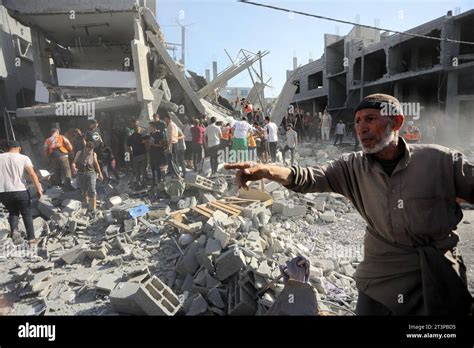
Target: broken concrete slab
x,y
328,216
198,306
46,208
222,236
215,298
213,247
107,283
229,263
74,255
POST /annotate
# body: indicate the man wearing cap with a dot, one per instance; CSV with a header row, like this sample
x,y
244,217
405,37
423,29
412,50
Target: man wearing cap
x,y
407,196
13,192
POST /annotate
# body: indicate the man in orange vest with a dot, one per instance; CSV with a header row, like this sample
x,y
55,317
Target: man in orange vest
x,y
57,148
225,140
412,134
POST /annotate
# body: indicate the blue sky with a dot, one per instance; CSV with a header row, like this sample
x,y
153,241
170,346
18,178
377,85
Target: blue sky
x,y
215,25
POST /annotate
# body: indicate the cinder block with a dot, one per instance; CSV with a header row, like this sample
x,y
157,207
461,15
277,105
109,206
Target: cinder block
x,y
155,298
239,301
271,186
115,200
253,209
229,263
328,216
293,210
71,205
122,299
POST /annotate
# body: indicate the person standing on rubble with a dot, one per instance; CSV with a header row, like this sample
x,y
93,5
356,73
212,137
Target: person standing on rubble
x,y
339,132
86,166
14,194
239,138
107,161
188,139
172,135
157,146
197,132
408,196
225,140
260,137
57,148
290,143
212,141
139,155
93,133
326,121
272,130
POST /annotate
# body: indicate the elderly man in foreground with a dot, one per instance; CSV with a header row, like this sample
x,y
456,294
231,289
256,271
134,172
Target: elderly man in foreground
x,y
407,195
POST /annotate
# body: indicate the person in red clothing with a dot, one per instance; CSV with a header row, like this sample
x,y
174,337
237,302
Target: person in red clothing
x,y
197,132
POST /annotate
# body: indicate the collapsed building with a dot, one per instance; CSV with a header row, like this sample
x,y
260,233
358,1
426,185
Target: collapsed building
x,y
436,74
109,61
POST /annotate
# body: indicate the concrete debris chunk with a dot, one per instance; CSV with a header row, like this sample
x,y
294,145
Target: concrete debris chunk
x,y
229,263
74,255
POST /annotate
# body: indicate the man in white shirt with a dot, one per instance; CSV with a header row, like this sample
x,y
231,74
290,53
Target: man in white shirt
x,y
326,121
240,132
340,131
13,191
212,141
272,130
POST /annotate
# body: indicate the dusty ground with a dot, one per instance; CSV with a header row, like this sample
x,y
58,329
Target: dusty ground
x,y
466,245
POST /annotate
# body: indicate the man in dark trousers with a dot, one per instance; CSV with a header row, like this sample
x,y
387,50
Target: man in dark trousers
x,y
13,191
139,153
407,195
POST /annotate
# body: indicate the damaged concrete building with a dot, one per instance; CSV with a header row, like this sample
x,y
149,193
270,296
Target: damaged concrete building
x,y
108,61
436,74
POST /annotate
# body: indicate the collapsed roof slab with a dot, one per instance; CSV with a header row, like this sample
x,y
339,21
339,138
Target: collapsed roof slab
x,y
110,103
184,85
69,22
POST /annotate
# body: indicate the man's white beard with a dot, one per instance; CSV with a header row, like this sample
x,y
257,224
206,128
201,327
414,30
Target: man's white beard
x,y
383,143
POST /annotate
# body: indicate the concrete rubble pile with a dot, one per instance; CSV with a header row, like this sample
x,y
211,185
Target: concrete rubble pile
x,y
131,258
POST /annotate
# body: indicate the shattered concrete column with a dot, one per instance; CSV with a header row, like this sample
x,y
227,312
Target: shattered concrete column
x,y
140,53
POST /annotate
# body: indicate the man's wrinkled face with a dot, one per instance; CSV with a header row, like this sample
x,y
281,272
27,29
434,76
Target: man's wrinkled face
x,y
375,132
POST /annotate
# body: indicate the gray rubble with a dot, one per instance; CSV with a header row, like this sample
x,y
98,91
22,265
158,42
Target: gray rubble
x,y
127,260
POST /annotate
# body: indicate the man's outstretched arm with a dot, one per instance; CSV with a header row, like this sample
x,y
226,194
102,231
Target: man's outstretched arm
x,y
250,171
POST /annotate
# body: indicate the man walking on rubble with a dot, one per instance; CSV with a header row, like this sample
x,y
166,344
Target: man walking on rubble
x,y
14,194
407,195
57,148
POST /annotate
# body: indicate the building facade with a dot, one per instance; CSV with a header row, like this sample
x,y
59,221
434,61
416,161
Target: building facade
x,y
434,78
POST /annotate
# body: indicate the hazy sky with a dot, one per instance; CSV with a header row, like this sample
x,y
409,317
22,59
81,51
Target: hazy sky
x,y
215,25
